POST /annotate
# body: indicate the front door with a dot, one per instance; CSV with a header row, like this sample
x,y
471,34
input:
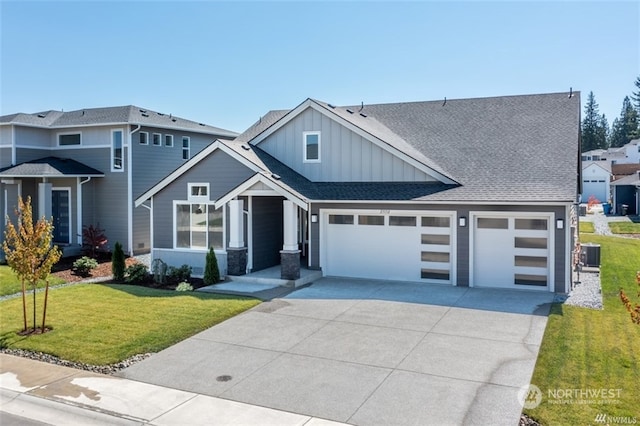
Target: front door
x,y
61,212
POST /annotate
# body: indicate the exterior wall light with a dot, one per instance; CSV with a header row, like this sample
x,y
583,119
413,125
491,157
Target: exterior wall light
x,y
560,223
462,221
314,218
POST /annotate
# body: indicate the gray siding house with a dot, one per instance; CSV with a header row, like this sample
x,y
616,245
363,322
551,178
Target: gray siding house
x,y
452,192
86,167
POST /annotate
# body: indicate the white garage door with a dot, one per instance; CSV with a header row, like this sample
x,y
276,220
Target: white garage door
x,y
512,252
597,188
416,246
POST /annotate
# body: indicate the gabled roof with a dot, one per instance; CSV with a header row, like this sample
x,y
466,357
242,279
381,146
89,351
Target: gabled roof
x,y
50,167
604,165
511,148
633,180
620,170
128,114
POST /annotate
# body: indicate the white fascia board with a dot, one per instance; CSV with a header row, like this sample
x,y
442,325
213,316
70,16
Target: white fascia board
x,y
50,177
192,162
309,103
274,185
464,203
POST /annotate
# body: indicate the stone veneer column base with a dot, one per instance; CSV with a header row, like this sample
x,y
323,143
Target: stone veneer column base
x,y
236,261
290,264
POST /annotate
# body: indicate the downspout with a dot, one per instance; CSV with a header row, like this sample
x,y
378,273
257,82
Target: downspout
x,y
79,207
130,191
13,145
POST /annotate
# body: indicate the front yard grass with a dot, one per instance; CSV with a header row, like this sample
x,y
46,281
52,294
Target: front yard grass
x,y
10,284
591,350
587,227
624,227
103,324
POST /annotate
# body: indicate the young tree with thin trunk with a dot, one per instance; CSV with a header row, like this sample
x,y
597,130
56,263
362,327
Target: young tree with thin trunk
x,y
30,253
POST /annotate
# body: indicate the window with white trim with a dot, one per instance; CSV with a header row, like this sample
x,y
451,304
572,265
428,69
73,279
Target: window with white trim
x,y
117,151
311,147
198,226
144,138
186,147
198,191
66,139
157,139
168,140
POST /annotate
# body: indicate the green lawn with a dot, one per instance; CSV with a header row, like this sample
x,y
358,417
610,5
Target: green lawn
x,y
587,227
102,324
624,227
10,284
588,350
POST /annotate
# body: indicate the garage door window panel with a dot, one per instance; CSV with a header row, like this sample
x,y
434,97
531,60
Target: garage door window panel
x,y
532,224
370,220
529,279
402,221
435,256
435,239
436,222
341,219
531,261
434,274
493,223
530,242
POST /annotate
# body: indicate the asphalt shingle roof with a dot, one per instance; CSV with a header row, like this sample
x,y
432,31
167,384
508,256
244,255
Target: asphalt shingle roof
x,y
502,149
50,167
128,114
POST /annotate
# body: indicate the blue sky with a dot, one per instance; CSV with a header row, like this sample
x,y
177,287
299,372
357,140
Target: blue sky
x,y
228,63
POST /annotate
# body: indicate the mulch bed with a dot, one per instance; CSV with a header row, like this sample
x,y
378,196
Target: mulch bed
x,y
64,270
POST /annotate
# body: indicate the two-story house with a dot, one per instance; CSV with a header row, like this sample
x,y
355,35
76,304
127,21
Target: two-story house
x,y
86,167
450,192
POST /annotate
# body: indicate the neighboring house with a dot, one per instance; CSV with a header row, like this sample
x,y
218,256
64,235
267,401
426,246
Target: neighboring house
x,y
452,192
626,189
596,181
86,167
595,155
626,154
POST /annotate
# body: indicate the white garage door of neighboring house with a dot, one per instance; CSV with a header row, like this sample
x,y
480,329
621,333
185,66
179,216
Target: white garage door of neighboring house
x,y
407,246
512,251
595,187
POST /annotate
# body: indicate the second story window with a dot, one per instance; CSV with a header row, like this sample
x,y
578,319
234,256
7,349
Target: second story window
x,y
66,139
116,151
157,138
198,191
144,138
168,140
186,147
311,147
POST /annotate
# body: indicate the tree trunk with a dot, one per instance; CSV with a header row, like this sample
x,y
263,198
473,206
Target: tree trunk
x,y
34,307
44,311
24,305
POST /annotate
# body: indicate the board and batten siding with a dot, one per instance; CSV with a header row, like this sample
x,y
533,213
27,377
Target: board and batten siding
x,y
219,169
345,156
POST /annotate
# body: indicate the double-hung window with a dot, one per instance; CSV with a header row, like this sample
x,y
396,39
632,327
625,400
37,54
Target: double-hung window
x,y
117,150
186,146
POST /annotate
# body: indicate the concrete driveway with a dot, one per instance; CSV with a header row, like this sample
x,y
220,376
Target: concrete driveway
x,y
368,353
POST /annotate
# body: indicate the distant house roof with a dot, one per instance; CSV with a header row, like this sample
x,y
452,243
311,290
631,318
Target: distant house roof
x,y
50,167
620,170
129,114
604,165
633,180
512,148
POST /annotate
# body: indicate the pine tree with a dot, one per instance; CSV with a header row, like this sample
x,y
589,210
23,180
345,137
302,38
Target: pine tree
x,y
211,270
594,126
624,128
117,263
636,95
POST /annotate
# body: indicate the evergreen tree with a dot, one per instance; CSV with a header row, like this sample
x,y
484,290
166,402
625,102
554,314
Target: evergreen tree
x,y
593,132
624,128
636,95
211,270
117,263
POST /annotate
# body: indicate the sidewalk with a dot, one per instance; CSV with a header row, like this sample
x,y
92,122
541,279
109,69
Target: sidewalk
x,y
36,393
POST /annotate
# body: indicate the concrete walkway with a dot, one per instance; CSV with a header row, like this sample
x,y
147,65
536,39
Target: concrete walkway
x,y
368,353
37,393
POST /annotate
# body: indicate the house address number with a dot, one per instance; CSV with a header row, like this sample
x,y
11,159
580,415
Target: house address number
x,y
385,211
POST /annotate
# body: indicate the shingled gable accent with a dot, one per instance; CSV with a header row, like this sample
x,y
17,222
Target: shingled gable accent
x,y
273,184
421,164
192,162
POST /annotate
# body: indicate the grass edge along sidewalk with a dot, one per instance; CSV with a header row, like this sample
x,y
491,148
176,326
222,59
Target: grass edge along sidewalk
x,y
588,366
104,324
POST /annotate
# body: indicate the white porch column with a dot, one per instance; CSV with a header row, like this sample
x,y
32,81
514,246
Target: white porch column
x,y
290,215
44,200
236,228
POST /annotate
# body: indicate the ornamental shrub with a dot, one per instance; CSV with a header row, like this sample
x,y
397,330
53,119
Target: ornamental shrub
x,y
117,263
178,275
211,270
138,273
184,286
84,266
